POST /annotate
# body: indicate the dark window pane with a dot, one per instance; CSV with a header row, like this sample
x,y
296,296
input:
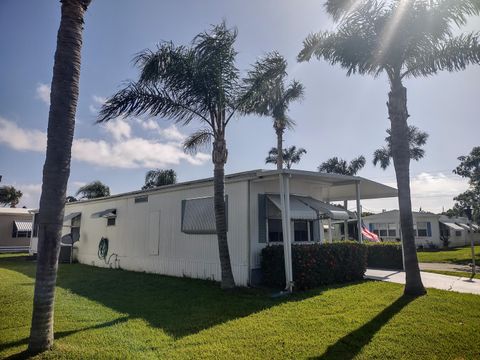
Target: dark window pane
x,y
300,230
111,221
275,233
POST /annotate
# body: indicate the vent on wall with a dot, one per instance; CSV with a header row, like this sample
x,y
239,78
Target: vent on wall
x,y
141,199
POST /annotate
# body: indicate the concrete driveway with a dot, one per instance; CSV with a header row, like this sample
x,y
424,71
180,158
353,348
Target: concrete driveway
x,y
430,280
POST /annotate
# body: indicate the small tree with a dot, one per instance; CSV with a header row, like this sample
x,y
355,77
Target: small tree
x,y
416,140
340,166
274,100
291,156
159,177
10,196
469,168
93,190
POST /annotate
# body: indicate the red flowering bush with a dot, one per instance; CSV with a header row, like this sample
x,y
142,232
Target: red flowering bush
x,y
315,264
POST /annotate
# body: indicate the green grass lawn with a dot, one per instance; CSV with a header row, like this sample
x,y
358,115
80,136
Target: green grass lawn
x,y
102,313
461,255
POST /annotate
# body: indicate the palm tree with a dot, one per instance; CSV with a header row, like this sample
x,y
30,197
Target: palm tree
x,y
402,39
10,196
275,98
416,139
340,166
93,190
200,82
291,156
159,177
61,124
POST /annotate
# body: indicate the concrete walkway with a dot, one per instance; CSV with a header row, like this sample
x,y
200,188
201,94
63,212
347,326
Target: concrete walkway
x,y
447,267
430,280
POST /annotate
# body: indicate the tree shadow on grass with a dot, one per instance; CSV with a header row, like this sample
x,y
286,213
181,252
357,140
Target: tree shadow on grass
x,y
58,335
179,306
350,345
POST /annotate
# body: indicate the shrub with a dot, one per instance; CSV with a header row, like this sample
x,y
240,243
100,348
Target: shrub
x,y
315,264
385,255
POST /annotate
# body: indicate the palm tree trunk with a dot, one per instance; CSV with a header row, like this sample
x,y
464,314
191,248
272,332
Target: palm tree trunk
x,y
398,114
219,157
279,131
61,124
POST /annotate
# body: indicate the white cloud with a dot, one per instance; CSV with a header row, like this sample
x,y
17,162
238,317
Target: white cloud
x,y
21,139
430,191
98,101
119,129
169,133
43,93
123,151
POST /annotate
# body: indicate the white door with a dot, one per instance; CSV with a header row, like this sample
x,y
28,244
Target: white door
x,y
154,233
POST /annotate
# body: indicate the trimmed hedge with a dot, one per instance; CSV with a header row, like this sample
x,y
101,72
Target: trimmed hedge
x,y
385,256
315,264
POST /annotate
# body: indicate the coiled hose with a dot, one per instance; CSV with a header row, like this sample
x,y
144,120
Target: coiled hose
x,y
103,248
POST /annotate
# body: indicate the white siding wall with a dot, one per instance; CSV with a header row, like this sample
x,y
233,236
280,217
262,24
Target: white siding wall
x,y
147,236
393,217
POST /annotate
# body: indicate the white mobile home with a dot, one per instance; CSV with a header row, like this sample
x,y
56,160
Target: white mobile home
x,y
171,230
429,228
15,229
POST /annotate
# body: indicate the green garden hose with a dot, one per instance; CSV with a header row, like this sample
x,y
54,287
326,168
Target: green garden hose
x,y
103,248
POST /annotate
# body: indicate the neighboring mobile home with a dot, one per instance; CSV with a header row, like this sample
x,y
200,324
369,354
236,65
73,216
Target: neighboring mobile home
x,y
429,228
15,229
171,229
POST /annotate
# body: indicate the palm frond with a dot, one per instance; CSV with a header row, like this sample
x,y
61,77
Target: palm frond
x,y
382,156
200,139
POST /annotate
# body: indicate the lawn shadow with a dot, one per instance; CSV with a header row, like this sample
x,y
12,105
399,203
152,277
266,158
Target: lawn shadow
x,y
58,335
351,344
179,306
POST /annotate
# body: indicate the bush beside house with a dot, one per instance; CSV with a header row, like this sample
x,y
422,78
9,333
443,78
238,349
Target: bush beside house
x,y
316,264
385,256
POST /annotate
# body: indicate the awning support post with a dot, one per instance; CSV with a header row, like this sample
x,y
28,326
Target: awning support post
x,y
286,229
345,223
330,235
359,212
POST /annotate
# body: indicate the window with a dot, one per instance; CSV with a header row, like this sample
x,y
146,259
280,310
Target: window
x,y
382,229
198,215
21,229
422,229
275,233
392,230
458,233
303,230
111,221
141,199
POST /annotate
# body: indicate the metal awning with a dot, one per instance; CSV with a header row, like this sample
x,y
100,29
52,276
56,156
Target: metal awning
x,y
71,216
23,225
105,213
463,226
298,209
451,225
326,210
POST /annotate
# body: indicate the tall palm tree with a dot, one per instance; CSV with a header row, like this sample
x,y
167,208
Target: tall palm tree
x,y
198,82
291,156
93,190
159,177
416,140
340,166
10,196
61,124
403,39
275,98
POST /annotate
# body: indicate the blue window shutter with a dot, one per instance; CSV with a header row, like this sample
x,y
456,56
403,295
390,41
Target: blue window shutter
x,y
262,218
370,227
429,229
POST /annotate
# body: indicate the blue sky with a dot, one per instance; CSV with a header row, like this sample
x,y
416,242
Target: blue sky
x,y
340,116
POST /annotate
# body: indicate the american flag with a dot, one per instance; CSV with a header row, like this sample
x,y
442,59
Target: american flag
x,y
369,235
